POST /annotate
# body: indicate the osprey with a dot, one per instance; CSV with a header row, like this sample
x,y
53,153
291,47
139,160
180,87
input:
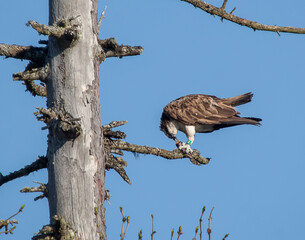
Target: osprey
x,y
203,114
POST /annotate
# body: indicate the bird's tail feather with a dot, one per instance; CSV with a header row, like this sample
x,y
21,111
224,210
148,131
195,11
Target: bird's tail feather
x,y
238,100
241,121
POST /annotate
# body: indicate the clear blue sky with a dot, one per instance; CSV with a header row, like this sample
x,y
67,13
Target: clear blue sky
x,y
256,176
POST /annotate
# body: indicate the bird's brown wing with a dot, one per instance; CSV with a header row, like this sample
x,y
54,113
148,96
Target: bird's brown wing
x,y
200,109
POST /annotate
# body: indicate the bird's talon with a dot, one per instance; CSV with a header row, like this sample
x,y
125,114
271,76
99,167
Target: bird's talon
x,y
185,148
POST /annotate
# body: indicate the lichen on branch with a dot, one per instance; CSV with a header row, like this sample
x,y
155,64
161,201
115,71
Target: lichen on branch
x,y
110,48
114,145
37,54
62,29
42,188
39,73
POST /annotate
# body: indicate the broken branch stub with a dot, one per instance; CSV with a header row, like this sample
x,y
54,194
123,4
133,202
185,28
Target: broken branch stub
x,y
61,122
36,54
63,29
110,48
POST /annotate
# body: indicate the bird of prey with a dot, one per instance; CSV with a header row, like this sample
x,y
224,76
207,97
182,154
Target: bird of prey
x,y
199,113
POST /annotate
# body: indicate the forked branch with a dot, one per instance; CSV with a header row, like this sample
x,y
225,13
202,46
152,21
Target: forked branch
x,y
221,12
42,188
5,223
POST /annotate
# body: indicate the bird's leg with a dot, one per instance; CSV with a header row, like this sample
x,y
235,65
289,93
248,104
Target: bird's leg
x,y
187,146
184,147
190,133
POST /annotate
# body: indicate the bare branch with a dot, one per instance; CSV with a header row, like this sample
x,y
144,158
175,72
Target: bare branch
x,y
42,188
200,222
114,124
110,48
227,235
62,29
118,164
101,19
33,74
124,219
224,4
153,228
241,21
35,89
123,51
175,154
40,163
209,230
113,134
37,54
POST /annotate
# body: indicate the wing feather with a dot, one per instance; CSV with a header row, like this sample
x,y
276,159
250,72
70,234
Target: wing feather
x,y
200,109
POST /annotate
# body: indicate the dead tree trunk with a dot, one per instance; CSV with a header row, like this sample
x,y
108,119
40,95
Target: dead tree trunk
x,y
76,164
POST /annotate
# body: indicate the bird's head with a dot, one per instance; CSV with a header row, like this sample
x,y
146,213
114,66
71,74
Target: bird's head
x,y
168,127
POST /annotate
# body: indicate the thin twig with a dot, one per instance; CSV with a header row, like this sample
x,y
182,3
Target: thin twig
x,y
225,236
196,231
152,231
179,232
200,222
209,230
128,218
140,235
233,10
42,188
224,5
172,233
124,219
123,223
101,18
5,223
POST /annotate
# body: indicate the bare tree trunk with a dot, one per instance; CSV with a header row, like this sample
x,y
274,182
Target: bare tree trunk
x,y
76,164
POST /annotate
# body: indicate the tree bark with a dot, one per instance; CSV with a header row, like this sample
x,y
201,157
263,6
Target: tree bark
x,y
76,165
